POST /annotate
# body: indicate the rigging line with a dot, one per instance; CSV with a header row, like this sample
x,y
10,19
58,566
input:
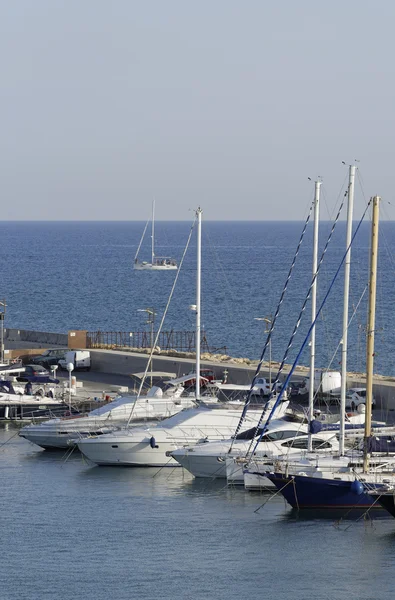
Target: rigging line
x,y
9,439
272,325
340,342
272,496
285,384
141,240
339,197
296,327
161,322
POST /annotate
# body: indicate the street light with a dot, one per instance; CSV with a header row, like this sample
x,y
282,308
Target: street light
x,y
150,321
2,315
70,368
268,323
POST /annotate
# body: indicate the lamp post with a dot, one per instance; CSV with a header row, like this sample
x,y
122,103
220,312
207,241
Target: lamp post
x,y
2,315
70,368
268,323
150,321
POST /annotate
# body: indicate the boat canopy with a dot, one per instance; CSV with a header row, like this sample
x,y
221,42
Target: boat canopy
x,y
185,378
154,374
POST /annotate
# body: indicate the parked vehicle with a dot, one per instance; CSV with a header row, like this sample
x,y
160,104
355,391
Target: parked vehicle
x,y
81,359
262,387
35,372
207,376
325,382
49,358
356,397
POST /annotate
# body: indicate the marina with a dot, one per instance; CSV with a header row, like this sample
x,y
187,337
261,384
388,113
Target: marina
x,y
197,333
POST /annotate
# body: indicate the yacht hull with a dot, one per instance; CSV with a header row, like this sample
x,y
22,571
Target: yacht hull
x,y
209,466
128,454
303,492
387,501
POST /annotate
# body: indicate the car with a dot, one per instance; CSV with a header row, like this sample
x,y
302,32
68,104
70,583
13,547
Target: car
x,y
33,372
262,387
49,358
207,376
357,396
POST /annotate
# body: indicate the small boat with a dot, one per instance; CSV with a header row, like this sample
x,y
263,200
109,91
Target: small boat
x,y
158,263
41,404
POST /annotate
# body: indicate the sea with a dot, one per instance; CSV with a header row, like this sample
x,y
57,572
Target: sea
x,y
58,276
70,530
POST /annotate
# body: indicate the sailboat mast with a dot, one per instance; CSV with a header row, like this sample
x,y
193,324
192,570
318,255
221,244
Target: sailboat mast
x,y
346,294
370,328
198,294
153,232
314,306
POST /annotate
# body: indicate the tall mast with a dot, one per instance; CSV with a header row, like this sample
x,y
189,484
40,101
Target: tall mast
x,y
346,293
314,305
198,294
370,328
153,232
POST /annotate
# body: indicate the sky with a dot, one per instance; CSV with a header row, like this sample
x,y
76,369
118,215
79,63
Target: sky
x,y
231,105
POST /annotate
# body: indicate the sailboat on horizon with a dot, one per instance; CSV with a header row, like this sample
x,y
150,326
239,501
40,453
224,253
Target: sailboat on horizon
x,y
158,263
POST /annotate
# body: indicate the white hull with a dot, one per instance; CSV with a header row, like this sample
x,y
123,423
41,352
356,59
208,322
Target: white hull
x,y
149,447
257,483
60,433
150,267
128,454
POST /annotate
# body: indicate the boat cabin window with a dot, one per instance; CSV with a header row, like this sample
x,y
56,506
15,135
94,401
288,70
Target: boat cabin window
x,y
284,434
303,444
249,434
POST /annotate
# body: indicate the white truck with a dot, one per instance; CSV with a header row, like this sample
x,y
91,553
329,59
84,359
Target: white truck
x,y
81,359
325,382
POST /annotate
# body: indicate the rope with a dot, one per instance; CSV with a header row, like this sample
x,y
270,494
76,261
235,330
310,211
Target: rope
x,y
278,400
272,325
162,321
272,496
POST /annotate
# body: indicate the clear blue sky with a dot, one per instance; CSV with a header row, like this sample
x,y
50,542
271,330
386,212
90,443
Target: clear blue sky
x,y
228,104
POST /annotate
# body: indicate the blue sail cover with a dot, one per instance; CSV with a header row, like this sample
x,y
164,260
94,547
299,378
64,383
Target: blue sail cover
x,y
384,443
317,426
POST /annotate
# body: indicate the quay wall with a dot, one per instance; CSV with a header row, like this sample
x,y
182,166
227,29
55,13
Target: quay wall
x,y
128,363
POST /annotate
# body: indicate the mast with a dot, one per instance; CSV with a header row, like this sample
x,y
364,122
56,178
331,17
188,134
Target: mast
x,y
370,328
198,294
346,293
153,232
314,306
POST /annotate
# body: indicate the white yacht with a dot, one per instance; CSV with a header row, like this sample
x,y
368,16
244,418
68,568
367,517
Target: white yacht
x,y
151,446
158,263
210,459
157,404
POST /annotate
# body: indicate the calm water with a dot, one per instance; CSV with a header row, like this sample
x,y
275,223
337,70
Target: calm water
x,y
73,531
59,276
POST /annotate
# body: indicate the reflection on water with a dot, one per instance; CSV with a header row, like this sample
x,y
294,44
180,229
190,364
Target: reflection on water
x,y
70,530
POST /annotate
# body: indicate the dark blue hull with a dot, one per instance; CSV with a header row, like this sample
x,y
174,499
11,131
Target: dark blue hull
x,y
303,492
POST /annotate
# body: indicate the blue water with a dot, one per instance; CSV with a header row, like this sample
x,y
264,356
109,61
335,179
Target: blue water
x,y
69,530
59,276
